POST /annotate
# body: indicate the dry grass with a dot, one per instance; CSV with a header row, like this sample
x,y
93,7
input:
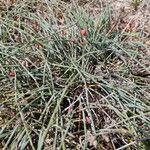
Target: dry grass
x,y
74,75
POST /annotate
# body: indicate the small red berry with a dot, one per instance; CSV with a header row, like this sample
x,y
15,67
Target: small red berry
x,y
16,18
84,32
88,120
24,63
12,74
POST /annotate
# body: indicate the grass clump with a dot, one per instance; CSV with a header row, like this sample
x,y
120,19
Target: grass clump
x,y
69,80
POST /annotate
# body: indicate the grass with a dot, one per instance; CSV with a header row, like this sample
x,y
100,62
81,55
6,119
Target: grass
x,y
61,89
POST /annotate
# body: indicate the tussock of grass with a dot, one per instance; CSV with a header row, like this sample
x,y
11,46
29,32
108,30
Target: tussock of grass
x,y
64,90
